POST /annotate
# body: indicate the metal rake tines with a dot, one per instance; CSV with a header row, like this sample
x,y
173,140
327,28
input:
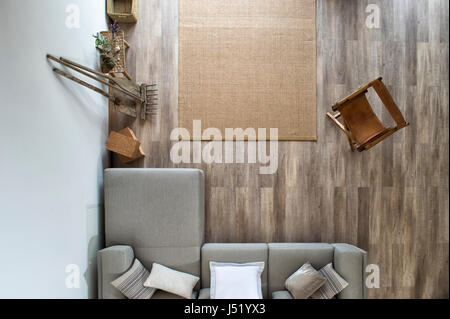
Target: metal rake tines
x,y
151,101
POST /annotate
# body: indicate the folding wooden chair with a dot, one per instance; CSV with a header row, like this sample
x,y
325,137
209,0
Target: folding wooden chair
x,y
362,127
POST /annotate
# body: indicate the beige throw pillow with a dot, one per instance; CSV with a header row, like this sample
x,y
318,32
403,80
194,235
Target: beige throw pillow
x,y
304,282
175,282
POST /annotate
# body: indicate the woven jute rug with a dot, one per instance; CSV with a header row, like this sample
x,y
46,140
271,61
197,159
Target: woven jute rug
x,y
248,64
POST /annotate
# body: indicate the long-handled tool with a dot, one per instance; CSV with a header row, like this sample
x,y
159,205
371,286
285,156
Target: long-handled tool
x,y
125,94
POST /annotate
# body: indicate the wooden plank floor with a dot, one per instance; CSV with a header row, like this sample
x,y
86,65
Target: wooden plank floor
x,y
391,200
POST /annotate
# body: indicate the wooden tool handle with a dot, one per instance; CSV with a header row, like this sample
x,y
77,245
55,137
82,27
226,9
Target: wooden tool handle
x,y
61,59
114,87
79,68
89,86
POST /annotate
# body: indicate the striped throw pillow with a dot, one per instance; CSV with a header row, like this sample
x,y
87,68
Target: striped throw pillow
x,y
334,284
131,283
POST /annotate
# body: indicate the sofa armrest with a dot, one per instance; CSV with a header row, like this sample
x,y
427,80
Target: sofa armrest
x,y
112,262
350,262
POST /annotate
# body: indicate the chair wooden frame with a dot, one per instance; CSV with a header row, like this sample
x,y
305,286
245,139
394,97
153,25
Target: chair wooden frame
x,y
389,104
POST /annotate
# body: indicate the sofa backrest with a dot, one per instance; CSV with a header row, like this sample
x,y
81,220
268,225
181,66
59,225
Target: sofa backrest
x,y
159,212
234,253
286,258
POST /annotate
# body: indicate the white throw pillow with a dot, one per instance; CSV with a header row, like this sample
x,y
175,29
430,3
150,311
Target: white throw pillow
x,y
236,281
175,282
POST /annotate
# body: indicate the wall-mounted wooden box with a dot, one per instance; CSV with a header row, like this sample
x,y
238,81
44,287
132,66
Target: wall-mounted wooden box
x,y
122,10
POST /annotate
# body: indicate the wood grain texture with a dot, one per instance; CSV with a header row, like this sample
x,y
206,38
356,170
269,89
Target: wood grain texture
x,y
391,200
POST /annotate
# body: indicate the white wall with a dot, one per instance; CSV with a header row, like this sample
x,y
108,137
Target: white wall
x,y
52,137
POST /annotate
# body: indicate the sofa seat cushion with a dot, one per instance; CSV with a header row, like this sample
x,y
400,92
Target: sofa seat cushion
x,y
281,294
159,212
160,294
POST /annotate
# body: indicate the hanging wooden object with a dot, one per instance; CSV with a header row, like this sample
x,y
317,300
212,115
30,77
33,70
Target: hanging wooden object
x,y
126,95
122,10
140,152
125,144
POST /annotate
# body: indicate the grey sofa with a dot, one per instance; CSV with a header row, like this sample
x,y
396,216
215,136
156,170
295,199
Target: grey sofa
x,y
157,215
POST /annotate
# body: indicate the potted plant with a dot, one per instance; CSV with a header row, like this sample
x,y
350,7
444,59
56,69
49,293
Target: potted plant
x,y
107,60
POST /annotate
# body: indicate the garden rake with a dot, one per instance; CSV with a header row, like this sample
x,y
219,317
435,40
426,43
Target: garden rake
x,y
125,94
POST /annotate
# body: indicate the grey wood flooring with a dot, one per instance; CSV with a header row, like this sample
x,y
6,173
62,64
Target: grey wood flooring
x,y
391,200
